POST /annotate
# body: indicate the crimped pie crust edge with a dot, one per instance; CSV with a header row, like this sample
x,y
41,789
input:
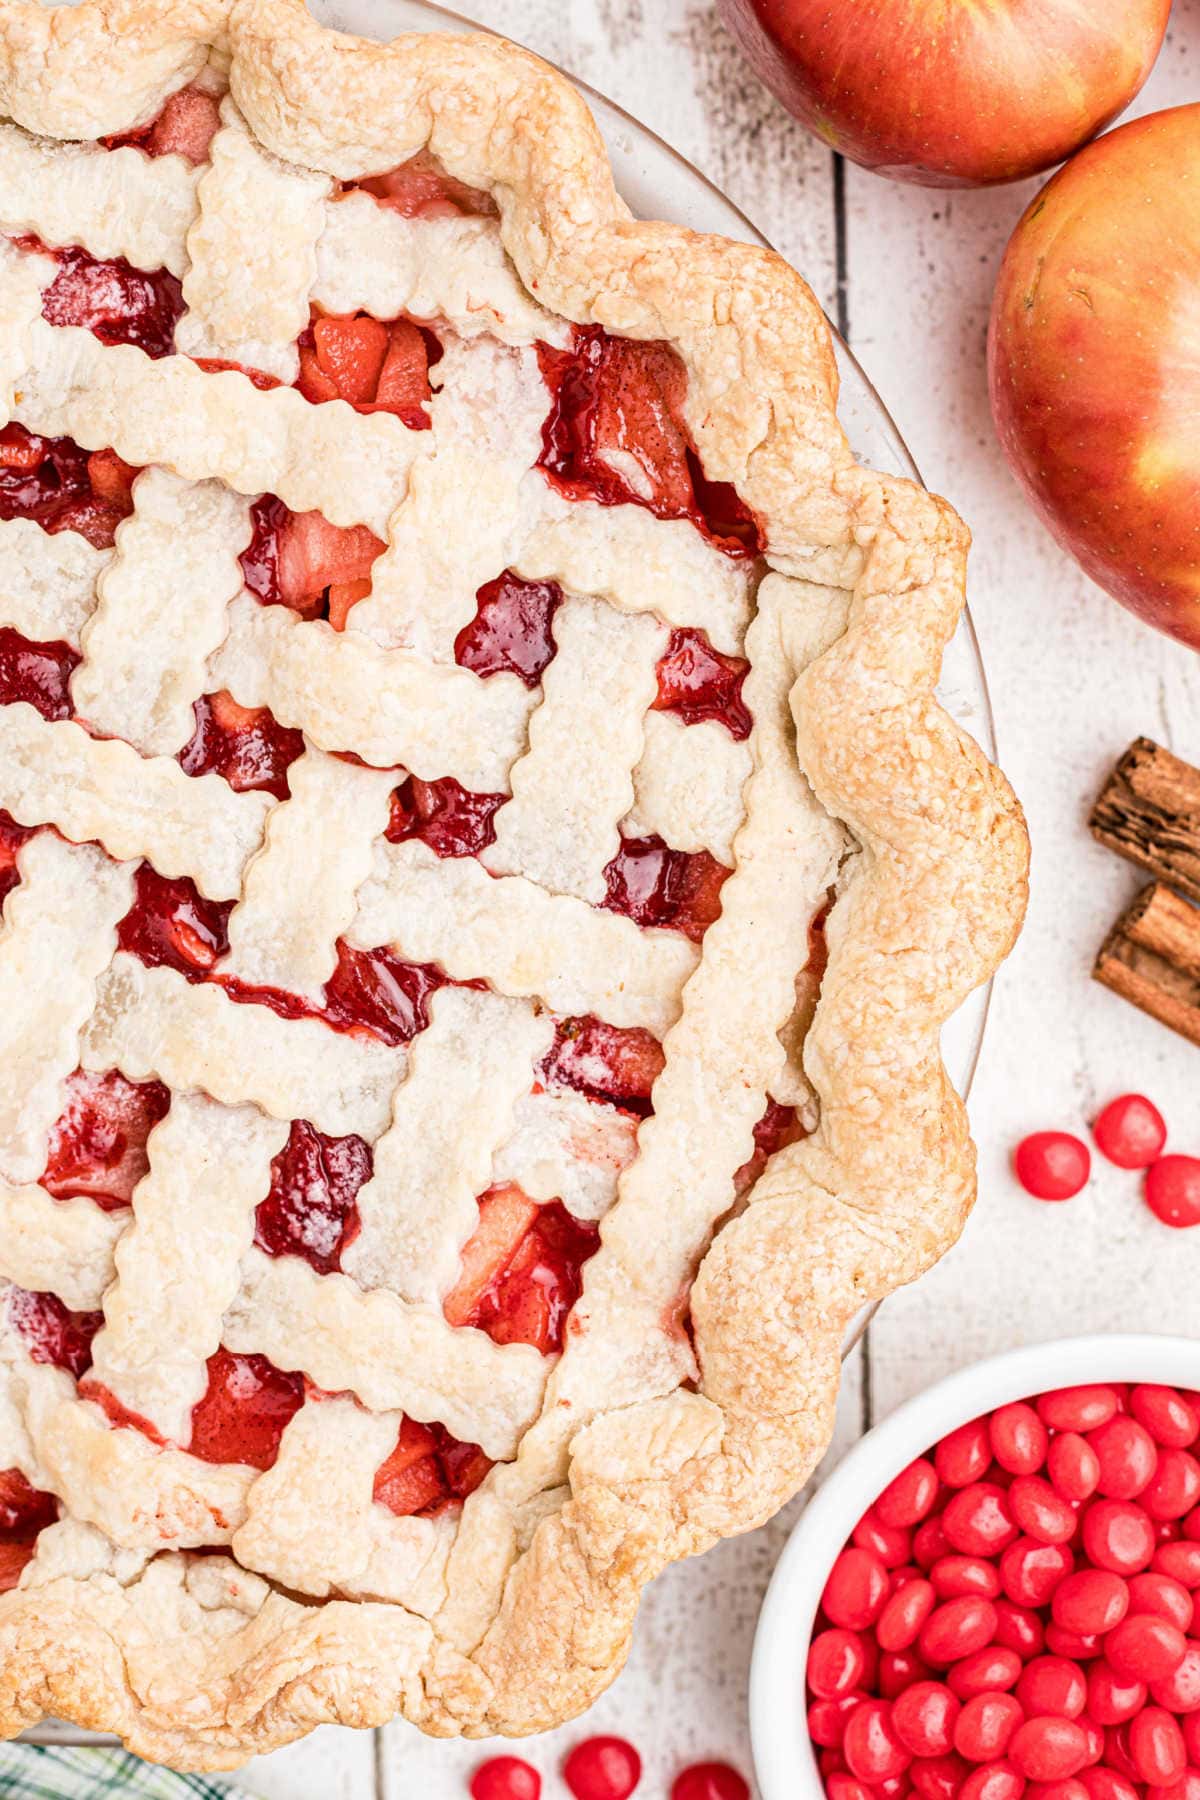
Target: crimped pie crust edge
x,y
933,903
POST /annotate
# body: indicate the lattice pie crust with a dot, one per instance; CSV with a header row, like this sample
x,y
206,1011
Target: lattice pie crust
x,y
696,1386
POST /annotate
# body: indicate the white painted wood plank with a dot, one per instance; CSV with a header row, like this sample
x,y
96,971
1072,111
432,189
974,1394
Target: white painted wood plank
x,y
1073,678
333,1763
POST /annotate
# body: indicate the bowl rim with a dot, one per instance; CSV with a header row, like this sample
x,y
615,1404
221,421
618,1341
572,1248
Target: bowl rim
x,y
784,1760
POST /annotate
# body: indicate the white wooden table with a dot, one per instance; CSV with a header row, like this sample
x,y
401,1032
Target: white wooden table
x,y
909,272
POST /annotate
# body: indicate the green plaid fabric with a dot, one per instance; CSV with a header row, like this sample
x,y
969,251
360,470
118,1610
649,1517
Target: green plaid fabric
x,y
34,1772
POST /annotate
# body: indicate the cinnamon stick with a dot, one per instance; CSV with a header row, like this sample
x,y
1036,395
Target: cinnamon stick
x,y
1149,811
1152,957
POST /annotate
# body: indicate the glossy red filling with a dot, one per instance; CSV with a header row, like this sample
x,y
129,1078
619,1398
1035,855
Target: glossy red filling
x,y
520,1273
110,298
51,1332
62,487
421,189
12,836
245,744
604,1062
185,127
679,890
615,434
427,1470
372,366
778,1126
244,1411
97,1146
39,674
24,1512
511,631
302,561
171,925
699,683
448,817
310,1209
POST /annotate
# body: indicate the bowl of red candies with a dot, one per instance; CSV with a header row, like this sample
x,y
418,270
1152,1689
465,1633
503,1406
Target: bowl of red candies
x,y
996,1595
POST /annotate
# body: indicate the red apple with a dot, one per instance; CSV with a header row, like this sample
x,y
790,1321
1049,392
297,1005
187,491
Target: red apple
x,y
1094,363
952,93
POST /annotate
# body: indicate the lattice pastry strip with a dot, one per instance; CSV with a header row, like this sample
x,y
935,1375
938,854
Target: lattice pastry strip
x,y
350,466
335,1448
193,1036
486,419
554,948
47,582
178,1264
390,1354
248,289
467,1070
389,706
567,1147
162,605
138,1494
714,1084
574,784
62,1247
100,788
59,934
283,932
114,202
687,788
635,561
370,259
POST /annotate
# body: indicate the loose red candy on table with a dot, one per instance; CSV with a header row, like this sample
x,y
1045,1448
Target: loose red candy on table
x,y
505,1778
1172,1190
1052,1165
1130,1131
709,1781
602,1768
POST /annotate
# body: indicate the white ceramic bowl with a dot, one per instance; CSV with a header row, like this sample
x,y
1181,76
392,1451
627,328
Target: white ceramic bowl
x,y
783,1755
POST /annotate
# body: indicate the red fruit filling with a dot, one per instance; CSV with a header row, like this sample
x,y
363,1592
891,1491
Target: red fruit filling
x,y
511,630
374,367
39,674
604,1062
61,487
185,127
698,682
421,189
302,561
1021,1601
778,1126
245,744
110,298
244,1411
24,1512
171,925
520,1271
448,817
12,836
310,1209
615,434
427,1469
676,889
51,1332
97,1145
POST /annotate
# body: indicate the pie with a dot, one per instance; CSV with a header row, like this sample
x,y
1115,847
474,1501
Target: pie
x,y
484,871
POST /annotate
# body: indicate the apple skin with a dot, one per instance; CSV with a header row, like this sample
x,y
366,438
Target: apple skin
x,y
952,93
1094,364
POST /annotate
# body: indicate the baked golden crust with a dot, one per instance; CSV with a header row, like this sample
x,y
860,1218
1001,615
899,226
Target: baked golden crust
x,y
203,1666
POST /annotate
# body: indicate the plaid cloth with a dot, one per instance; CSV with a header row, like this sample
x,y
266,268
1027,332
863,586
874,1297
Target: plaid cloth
x,y
34,1772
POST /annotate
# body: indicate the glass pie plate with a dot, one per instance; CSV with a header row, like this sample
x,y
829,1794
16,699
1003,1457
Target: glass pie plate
x,y
656,182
